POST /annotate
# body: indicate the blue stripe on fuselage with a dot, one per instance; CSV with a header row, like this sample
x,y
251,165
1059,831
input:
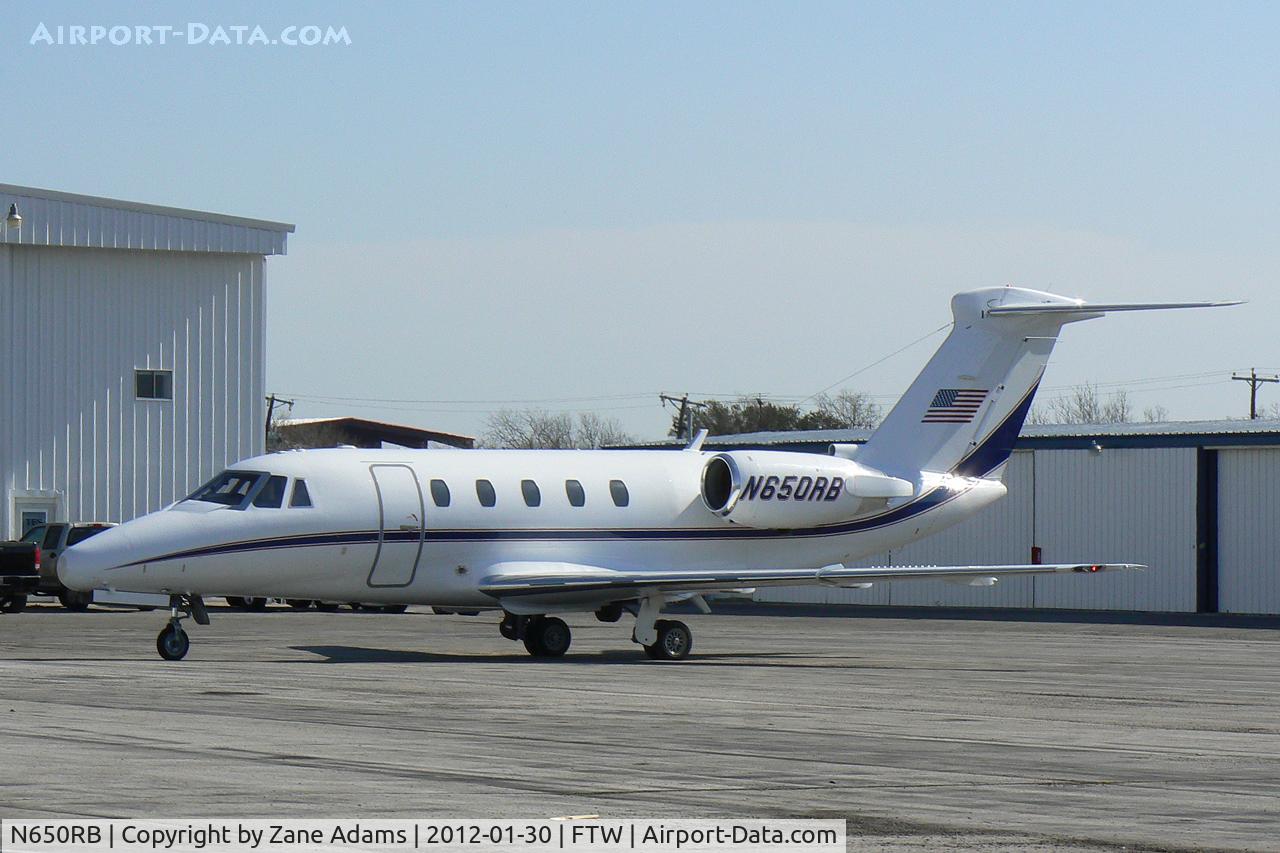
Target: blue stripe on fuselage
x,y
993,452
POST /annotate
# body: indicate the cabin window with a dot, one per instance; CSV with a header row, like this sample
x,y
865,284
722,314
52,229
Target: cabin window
x,y
271,495
230,488
153,384
618,489
486,494
577,497
440,492
532,497
300,497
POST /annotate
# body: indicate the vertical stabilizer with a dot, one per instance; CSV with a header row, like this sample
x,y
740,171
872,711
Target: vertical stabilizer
x,y
963,413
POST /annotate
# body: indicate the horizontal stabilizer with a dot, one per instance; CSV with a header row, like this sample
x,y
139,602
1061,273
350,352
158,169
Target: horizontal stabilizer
x,y
1102,307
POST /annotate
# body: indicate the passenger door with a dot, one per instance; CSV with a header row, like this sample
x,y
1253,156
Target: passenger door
x,y
401,525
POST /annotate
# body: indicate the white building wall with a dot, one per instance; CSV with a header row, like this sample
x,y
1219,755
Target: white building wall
x,y
1249,530
76,322
1123,506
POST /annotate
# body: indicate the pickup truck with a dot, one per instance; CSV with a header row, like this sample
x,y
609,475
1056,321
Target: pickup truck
x,y
19,574
54,538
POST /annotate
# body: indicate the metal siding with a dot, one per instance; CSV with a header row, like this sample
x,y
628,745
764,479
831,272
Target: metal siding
x,y
1119,505
77,322
87,222
1248,535
1001,533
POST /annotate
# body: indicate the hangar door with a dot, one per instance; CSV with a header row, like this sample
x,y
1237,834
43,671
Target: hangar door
x,y
401,528
1248,538
1118,506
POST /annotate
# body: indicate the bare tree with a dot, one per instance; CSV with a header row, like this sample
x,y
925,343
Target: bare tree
x,y
847,410
537,429
1153,414
1085,406
596,431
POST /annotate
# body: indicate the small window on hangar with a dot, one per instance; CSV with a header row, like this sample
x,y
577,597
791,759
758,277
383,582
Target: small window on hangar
x,y
153,384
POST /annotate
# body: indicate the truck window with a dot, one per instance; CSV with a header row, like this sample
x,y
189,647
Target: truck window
x,y
51,537
79,534
35,534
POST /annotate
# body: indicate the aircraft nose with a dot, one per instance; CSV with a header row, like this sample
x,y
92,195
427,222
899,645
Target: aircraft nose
x,y
84,566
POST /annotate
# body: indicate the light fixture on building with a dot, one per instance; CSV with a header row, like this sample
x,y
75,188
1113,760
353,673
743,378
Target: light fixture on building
x,y
14,219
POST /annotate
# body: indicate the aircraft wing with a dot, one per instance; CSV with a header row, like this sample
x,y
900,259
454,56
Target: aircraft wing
x,y
532,586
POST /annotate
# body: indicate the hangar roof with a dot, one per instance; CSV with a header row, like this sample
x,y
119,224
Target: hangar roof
x,y
1225,433
52,218
363,432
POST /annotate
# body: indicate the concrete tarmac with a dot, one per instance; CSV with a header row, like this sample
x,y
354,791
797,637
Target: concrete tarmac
x,y
921,733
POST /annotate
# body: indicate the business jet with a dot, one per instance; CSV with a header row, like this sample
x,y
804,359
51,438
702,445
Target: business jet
x,y
535,533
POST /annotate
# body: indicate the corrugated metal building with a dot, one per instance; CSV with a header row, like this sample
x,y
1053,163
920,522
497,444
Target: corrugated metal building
x,y
133,350
1197,502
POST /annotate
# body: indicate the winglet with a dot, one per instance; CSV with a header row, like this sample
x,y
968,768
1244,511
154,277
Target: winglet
x,y
696,444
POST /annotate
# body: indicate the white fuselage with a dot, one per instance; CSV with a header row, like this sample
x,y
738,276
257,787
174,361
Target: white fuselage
x,y
375,533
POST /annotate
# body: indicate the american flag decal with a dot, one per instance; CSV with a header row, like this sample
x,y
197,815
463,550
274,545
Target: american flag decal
x,y
954,406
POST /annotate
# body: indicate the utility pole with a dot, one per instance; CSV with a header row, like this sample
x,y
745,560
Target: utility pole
x,y
1254,381
685,417
271,409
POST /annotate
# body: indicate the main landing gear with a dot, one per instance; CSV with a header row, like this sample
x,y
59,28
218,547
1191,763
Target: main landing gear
x,y
549,636
173,642
543,636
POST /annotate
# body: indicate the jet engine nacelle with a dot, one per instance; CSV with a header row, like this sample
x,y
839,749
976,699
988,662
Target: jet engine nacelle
x,y
782,491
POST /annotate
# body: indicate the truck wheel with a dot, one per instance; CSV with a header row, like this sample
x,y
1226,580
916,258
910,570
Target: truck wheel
x,y
14,604
74,600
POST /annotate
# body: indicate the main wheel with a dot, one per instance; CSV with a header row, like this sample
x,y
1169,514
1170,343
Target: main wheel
x,y
74,600
675,641
547,637
507,627
173,643
13,604
610,612
257,605
236,601
299,603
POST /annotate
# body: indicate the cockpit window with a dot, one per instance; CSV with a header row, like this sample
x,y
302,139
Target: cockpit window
x,y
271,496
300,496
230,488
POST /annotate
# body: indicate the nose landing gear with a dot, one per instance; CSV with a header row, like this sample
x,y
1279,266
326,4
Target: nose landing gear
x,y
173,642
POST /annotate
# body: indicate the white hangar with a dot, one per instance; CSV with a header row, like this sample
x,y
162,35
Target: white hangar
x,y
1197,502
133,352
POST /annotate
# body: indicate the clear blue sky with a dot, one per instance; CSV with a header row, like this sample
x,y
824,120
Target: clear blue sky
x,y
507,202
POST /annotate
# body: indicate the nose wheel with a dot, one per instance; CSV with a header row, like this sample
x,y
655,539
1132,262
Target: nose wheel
x,y
173,642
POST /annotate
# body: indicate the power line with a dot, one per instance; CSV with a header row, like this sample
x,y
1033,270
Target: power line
x,y
879,361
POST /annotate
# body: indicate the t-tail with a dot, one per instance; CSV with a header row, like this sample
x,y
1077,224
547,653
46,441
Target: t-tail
x,y
963,413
